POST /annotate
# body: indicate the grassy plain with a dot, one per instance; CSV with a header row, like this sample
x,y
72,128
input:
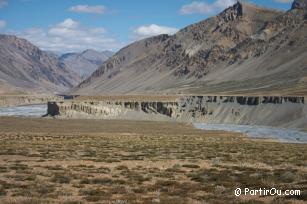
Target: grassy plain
x,y
100,161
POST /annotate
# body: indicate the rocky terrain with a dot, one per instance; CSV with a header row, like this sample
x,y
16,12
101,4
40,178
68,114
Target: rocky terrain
x,y
289,112
24,68
86,62
244,50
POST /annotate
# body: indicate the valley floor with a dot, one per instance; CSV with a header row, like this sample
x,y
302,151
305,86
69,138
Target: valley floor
x,y
98,161
19,100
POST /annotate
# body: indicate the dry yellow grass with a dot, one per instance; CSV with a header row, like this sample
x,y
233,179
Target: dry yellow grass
x,y
95,161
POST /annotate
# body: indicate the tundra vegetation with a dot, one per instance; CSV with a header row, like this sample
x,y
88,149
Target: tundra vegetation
x,y
101,161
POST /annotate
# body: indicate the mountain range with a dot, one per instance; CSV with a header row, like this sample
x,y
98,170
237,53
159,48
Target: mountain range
x,y
245,49
86,62
24,68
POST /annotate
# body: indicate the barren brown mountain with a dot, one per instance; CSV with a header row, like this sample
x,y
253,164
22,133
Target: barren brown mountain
x,y
86,62
244,49
24,68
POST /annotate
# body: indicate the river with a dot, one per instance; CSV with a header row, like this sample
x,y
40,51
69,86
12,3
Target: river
x,y
24,111
256,132
259,132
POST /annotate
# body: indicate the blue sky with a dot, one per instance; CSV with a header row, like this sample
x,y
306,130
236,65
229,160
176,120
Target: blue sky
x,y
75,25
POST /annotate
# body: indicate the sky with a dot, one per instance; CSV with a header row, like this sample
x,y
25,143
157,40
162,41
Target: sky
x,y
75,25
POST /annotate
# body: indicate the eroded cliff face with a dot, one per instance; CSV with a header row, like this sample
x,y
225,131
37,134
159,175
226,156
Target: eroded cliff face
x,y
244,110
142,110
256,110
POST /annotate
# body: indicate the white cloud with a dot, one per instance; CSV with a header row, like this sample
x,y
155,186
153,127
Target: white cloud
x,y
3,3
283,1
200,7
67,28
2,24
99,9
68,23
152,30
70,36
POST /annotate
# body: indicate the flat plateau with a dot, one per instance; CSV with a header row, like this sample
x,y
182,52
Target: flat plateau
x,y
103,161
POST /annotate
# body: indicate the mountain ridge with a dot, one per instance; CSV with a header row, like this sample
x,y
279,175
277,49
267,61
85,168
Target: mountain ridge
x,y
241,49
25,68
85,62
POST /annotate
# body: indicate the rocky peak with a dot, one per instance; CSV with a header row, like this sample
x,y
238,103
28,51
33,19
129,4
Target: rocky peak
x,y
232,13
299,4
19,43
89,51
250,11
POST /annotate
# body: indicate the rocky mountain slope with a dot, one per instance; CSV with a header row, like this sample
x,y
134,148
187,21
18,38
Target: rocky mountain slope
x,y
244,50
86,62
24,68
